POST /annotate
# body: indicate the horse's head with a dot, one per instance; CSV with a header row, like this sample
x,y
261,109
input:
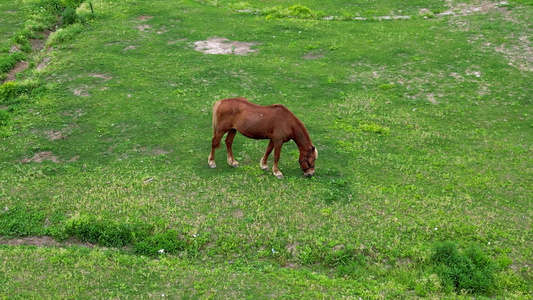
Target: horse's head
x,y
308,162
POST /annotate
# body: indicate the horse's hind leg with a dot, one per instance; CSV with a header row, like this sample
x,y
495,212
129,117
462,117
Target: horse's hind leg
x,y
215,143
264,161
229,142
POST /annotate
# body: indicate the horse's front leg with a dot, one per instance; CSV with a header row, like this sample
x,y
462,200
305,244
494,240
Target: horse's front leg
x,y
277,153
264,161
229,142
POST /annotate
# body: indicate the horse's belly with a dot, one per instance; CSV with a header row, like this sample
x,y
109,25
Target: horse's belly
x,y
255,127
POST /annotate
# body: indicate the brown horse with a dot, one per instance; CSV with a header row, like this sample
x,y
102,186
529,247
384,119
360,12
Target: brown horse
x,y
274,122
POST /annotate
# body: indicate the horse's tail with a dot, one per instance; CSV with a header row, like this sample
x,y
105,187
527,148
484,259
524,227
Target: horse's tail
x,y
215,108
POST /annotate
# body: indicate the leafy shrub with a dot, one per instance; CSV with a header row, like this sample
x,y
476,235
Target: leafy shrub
x,y
295,11
68,17
105,233
71,3
167,242
11,90
54,7
64,34
8,61
22,37
300,11
374,128
387,86
469,271
15,221
5,119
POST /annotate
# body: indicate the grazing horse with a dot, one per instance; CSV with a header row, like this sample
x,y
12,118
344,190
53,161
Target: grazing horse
x,y
274,122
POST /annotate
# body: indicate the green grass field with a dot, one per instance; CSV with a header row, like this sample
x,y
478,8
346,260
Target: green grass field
x,y
424,126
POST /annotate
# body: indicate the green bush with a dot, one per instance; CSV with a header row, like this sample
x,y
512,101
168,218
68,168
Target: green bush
x,y
5,118
296,11
11,89
54,7
468,271
300,11
68,17
15,221
72,3
105,233
64,34
167,242
8,61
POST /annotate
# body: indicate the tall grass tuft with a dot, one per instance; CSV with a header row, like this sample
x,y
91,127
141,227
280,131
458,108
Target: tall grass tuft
x,y
469,271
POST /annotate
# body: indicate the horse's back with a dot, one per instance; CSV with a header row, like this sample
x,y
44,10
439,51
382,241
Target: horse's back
x,y
253,120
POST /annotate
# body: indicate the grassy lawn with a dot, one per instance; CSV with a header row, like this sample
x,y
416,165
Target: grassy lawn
x,y
423,124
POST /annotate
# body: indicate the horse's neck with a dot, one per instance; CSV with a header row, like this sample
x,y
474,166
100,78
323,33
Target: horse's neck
x,y
301,138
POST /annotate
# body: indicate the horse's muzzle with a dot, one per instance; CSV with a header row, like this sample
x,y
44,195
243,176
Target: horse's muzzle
x,y
309,173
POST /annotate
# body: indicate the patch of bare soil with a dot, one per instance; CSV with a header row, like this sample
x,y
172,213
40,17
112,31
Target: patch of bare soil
x,y
47,155
36,45
520,55
41,241
313,56
42,156
81,91
54,135
44,62
145,18
101,76
143,27
482,7
19,67
224,46
129,48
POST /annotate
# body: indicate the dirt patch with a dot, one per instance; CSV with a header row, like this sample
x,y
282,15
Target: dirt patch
x,y
431,98
36,45
519,55
54,135
74,114
129,48
143,27
313,56
47,155
43,63
19,67
41,241
101,76
461,9
224,46
145,18
81,91
42,156
292,248
13,49
238,214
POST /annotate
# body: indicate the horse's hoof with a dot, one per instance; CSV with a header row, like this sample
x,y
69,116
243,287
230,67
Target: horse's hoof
x,y
235,165
279,176
264,167
212,165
